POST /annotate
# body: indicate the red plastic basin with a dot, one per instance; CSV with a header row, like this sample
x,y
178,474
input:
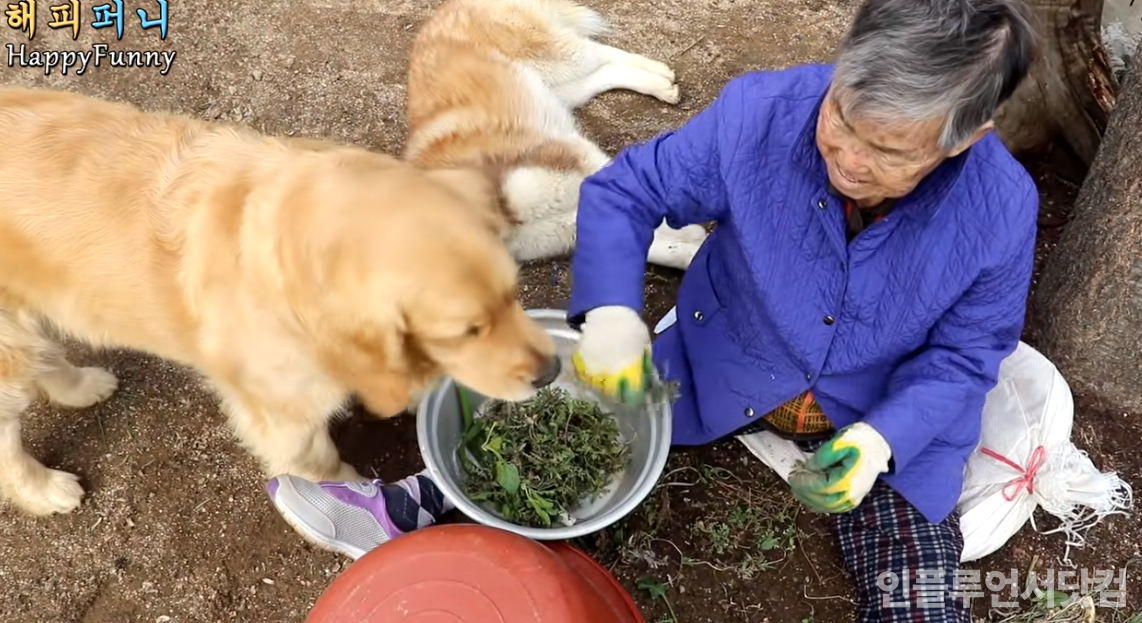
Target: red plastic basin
x,y
474,574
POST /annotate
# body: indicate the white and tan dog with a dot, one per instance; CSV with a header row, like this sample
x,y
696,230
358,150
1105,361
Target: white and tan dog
x,y
492,84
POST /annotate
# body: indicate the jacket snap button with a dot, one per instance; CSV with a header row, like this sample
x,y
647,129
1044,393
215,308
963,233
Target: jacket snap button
x,y
829,320
808,377
821,203
698,316
749,411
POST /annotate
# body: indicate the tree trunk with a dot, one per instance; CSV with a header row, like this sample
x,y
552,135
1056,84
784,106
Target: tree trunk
x,y
1066,99
1089,296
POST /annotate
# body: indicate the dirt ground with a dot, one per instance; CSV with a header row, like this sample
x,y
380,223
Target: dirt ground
x,y
176,527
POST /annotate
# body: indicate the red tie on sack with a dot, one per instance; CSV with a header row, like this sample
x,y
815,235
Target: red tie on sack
x,y
1027,480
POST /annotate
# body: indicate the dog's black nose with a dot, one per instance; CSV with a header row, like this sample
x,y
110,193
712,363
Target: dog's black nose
x,y
548,374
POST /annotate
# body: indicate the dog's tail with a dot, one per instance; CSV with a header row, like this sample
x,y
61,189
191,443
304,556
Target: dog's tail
x,y
584,21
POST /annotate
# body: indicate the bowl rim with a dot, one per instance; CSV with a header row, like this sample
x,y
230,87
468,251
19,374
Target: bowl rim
x,y
647,478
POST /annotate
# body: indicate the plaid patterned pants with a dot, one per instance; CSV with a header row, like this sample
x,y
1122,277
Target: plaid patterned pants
x,y
903,565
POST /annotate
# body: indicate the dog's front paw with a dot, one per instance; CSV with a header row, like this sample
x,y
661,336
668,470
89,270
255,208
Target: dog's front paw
x,y
670,94
649,65
337,471
93,386
42,491
661,69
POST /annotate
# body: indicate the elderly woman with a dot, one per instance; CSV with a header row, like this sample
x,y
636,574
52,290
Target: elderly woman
x,y
867,275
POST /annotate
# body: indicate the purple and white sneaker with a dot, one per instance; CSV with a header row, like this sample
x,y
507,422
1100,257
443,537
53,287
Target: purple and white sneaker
x,y
352,518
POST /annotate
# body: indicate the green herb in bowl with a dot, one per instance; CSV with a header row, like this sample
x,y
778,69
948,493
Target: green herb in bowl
x,y
534,462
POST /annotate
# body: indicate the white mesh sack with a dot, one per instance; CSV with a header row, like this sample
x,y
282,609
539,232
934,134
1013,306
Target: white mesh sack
x,y
1025,459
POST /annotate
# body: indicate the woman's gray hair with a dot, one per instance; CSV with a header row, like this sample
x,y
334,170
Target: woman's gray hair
x,y
918,60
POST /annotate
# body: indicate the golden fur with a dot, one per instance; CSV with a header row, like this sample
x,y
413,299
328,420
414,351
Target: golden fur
x,y
289,273
492,84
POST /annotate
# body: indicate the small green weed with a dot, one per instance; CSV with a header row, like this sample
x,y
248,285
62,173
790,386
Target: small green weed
x,y
752,535
657,590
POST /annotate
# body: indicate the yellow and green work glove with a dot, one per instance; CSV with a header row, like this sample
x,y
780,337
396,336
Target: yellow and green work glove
x,y
614,357
842,471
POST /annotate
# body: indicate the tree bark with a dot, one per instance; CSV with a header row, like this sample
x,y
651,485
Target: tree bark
x,y
1089,296
1067,97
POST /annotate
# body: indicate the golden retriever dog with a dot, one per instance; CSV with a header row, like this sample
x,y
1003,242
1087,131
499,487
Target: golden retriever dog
x,y
492,84
290,274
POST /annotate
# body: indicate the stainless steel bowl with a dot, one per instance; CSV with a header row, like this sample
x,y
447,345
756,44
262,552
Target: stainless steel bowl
x,y
439,428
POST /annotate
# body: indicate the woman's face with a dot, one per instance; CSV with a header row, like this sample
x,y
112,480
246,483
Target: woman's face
x,y
870,162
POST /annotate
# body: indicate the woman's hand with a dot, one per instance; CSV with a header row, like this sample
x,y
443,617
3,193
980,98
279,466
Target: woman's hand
x,y
842,471
613,357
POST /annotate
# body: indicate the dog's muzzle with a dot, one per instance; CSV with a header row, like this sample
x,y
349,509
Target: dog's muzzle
x,y
548,374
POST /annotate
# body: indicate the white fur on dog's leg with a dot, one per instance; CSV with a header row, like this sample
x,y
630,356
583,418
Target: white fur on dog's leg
x,y
690,233
638,61
77,388
550,199
43,491
544,239
668,253
614,76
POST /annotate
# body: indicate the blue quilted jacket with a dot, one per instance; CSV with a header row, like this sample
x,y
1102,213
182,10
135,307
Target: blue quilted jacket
x,y
904,328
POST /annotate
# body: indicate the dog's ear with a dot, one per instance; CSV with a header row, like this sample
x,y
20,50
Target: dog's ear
x,y
480,190
389,389
372,360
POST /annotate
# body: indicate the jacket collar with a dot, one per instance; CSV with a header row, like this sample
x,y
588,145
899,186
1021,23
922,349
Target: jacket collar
x,y
925,200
